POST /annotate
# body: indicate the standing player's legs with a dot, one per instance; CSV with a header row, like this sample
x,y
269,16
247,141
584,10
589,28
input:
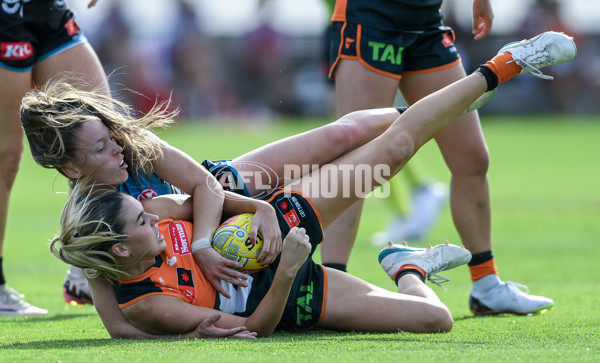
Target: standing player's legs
x,y
13,86
79,61
357,88
465,151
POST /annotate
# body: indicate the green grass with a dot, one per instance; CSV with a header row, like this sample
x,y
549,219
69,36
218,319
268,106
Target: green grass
x,y
544,177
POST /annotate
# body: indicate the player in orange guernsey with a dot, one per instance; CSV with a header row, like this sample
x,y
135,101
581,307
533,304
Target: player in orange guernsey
x,y
112,237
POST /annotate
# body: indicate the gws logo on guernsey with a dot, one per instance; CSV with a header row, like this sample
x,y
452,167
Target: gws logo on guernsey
x,y
179,238
147,194
171,261
15,50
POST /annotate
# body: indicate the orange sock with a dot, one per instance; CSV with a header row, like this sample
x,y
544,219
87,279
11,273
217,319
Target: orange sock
x,y
483,269
504,67
409,267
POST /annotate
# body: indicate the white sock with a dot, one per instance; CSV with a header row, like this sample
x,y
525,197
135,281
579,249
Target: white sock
x,y
486,283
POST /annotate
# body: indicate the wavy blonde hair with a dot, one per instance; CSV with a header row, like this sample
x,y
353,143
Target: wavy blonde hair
x,y
51,116
91,223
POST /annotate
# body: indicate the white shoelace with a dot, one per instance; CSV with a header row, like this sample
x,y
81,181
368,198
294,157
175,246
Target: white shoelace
x,y
532,69
437,280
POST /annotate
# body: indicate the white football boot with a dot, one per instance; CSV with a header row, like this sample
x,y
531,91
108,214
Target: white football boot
x,y
547,49
431,259
12,303
507,297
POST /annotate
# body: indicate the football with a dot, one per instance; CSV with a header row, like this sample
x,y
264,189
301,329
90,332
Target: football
x,y
232,241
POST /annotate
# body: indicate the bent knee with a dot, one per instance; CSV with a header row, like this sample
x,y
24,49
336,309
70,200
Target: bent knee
x,y
346,130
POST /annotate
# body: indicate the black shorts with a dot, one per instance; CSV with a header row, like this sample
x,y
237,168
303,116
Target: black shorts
x,y
393,53
306,303
33,31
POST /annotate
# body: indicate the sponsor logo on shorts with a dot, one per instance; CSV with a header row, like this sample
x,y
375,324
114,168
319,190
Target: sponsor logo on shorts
x,y
297,206
386,53
447,40
304,311
15,50
147,194
179,238
185,284
72,27
287,211
348,42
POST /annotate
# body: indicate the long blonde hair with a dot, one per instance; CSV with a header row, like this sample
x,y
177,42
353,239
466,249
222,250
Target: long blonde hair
x,y
51,116
91,223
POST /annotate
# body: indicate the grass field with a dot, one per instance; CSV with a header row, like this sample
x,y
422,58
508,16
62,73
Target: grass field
x,y
545,182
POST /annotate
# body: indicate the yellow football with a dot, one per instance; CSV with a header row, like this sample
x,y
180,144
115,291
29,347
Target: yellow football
x,y
232,241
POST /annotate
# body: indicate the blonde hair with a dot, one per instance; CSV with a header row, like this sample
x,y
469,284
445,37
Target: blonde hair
x,y
52,115
91,223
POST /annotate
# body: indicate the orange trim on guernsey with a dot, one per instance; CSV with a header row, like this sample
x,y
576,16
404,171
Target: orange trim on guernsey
x,y
165,277
482,270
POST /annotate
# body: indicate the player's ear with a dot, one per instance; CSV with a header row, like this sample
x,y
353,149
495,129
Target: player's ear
x,y
71,172
120,250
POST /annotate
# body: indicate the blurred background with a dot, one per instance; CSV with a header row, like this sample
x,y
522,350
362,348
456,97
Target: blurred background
x,y
261,59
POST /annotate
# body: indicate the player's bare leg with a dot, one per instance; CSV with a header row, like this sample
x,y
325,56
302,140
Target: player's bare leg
x,y
13,86
313,148
396,146
357,88
416,310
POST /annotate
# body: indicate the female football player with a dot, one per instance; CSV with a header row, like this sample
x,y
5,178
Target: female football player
x,y
66,141
162,291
